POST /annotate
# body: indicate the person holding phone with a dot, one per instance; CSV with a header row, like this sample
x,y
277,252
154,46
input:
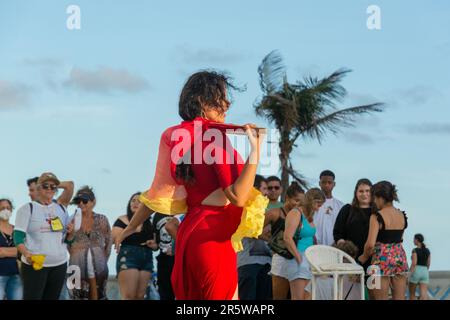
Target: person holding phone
x,y
90,248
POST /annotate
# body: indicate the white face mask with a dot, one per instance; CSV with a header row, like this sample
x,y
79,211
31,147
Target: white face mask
x,y
5,214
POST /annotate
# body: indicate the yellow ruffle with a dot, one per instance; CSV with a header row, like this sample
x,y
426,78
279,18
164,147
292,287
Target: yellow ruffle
x,y
252,220
164,205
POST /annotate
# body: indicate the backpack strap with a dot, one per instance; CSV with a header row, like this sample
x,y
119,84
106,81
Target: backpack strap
x,y
31,208
62,207
284,212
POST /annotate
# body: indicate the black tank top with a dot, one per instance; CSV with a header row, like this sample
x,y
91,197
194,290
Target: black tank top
x,y
137,238
279,224
390,236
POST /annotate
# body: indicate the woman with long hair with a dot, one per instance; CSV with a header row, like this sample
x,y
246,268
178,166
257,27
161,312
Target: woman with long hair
x,y
199,173
134,263
419,271
299,235
384,243
352,223
276,218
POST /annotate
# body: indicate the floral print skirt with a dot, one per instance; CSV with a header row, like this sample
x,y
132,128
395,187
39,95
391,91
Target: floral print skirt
x,y
390,258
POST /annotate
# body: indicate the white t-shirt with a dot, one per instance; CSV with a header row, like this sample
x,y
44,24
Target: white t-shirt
x,y
324,220
40,239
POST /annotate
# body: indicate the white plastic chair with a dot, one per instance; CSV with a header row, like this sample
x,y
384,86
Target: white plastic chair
x,y
329,261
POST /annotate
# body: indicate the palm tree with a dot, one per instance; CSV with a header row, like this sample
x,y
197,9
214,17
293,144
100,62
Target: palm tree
x,y
305,109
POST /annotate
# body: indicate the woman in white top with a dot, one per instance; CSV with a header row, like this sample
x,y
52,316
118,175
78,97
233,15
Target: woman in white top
x,y
41,228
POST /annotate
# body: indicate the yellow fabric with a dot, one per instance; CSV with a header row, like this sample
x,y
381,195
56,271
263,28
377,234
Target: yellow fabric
x,y
165,195
38,261
252,220
164,205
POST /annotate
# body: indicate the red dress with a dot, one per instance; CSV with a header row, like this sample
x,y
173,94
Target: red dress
x,y
205,262
209,236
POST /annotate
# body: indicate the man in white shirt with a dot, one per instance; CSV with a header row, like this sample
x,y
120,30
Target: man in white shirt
x,y
325,217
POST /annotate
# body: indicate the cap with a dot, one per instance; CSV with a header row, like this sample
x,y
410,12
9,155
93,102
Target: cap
x,y
46,177
83,195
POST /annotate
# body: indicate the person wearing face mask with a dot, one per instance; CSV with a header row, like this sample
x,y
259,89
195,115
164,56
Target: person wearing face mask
x,y
90,248
10,282
40,233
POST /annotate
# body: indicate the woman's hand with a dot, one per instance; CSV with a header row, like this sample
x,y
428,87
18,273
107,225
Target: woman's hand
x,y
252,135
255,136
298,258
152,244
69,229
122,236
27,254
362,259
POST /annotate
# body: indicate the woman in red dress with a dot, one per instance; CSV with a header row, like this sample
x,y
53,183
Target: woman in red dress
x,y
199,173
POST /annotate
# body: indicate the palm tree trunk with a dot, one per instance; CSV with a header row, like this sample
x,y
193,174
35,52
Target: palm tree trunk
x,y
285,150
284,174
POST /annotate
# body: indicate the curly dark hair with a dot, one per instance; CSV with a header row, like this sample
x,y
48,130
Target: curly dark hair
x,y
202,88
385,190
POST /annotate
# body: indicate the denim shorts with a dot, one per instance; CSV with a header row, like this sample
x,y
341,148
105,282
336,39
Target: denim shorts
x,y
290,269
134,257
420,275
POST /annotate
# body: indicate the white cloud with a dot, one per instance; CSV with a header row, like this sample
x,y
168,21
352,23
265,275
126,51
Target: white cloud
x,y
13,95
207,56
105,80
428,128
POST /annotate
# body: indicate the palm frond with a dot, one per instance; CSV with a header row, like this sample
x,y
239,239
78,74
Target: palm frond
x,y
298,177
272,73
334,121
328,90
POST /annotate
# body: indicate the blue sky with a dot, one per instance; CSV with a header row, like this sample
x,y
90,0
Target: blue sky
x,y
90,104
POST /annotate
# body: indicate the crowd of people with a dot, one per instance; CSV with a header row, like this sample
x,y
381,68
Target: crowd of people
x,y
272,266
36,251
199,211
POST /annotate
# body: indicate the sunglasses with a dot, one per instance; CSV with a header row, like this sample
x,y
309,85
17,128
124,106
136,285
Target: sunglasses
x,y
273,188
84,201
47,186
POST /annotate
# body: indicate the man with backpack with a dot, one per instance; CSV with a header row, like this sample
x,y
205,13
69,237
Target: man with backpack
x,y
41,229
